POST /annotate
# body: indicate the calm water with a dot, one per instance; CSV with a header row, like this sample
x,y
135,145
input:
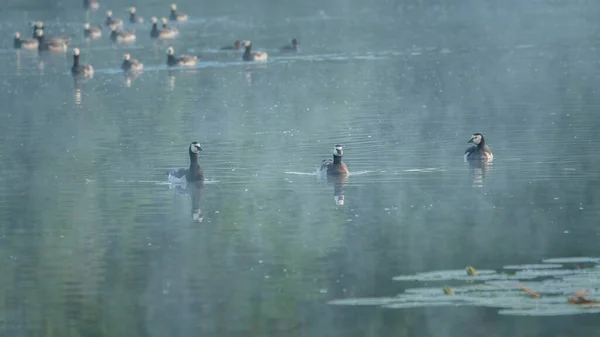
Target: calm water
x,y
94,242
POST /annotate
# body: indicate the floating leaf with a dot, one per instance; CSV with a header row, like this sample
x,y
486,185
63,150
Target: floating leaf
x,y
445,275
471,271
572,260
533,266
364,301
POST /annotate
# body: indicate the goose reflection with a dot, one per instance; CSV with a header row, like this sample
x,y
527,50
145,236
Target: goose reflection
x,y
171,80
194,190
478,171
77,87
339,184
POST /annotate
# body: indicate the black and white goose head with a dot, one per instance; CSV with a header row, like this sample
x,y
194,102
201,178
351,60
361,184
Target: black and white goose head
x,y
476,138
195,148
338,151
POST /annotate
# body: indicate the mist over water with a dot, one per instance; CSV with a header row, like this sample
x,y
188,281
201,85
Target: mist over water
x,y
95,242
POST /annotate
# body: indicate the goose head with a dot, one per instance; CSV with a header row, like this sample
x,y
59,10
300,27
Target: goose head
x,y
476,138
195,147
337,150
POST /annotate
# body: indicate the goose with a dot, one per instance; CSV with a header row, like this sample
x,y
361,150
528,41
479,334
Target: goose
x,y
183,60
91,4
45,44
335,167
162,34
130,64
193,172
122,36
78,69
171,30
175,16
110,21
133,18
91,32
253,56
479,150
236,46
39,25
291,47
28,44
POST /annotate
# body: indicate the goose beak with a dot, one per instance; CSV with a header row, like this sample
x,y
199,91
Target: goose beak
x,y
199,148
470,141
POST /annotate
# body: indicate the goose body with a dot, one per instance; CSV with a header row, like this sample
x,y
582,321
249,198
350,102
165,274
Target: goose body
x,y
132,65
249,55
335,167
193,173
236,46
110,21
163,34
183,60
291,47
479,150
27,44
91,32
167,29
39,26
91,4
122,36
80,70
56,46
133,18
177,16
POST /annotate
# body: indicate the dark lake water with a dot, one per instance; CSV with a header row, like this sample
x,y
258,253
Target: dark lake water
x,y
95,242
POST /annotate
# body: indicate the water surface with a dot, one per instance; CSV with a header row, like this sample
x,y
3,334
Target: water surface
x,y
94,242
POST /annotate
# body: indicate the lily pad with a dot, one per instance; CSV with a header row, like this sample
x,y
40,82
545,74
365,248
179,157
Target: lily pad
x,y
572,260
532,266
446,275
364,301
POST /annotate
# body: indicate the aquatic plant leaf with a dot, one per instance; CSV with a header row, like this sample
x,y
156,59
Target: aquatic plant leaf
x,y
572,260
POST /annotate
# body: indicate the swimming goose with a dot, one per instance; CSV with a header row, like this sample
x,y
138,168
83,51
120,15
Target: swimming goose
x,y
122,36
50,45
291,47
479,150
161,33
133,18
91,4
165,28
80,70
39,25
183,60
236,46
36,25
28,44
110,21
177,16
192,173
336,167
91,32
130,64
253,56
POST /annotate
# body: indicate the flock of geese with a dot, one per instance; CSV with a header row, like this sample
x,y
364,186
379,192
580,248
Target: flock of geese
x,y
335,167
42,42
478,151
